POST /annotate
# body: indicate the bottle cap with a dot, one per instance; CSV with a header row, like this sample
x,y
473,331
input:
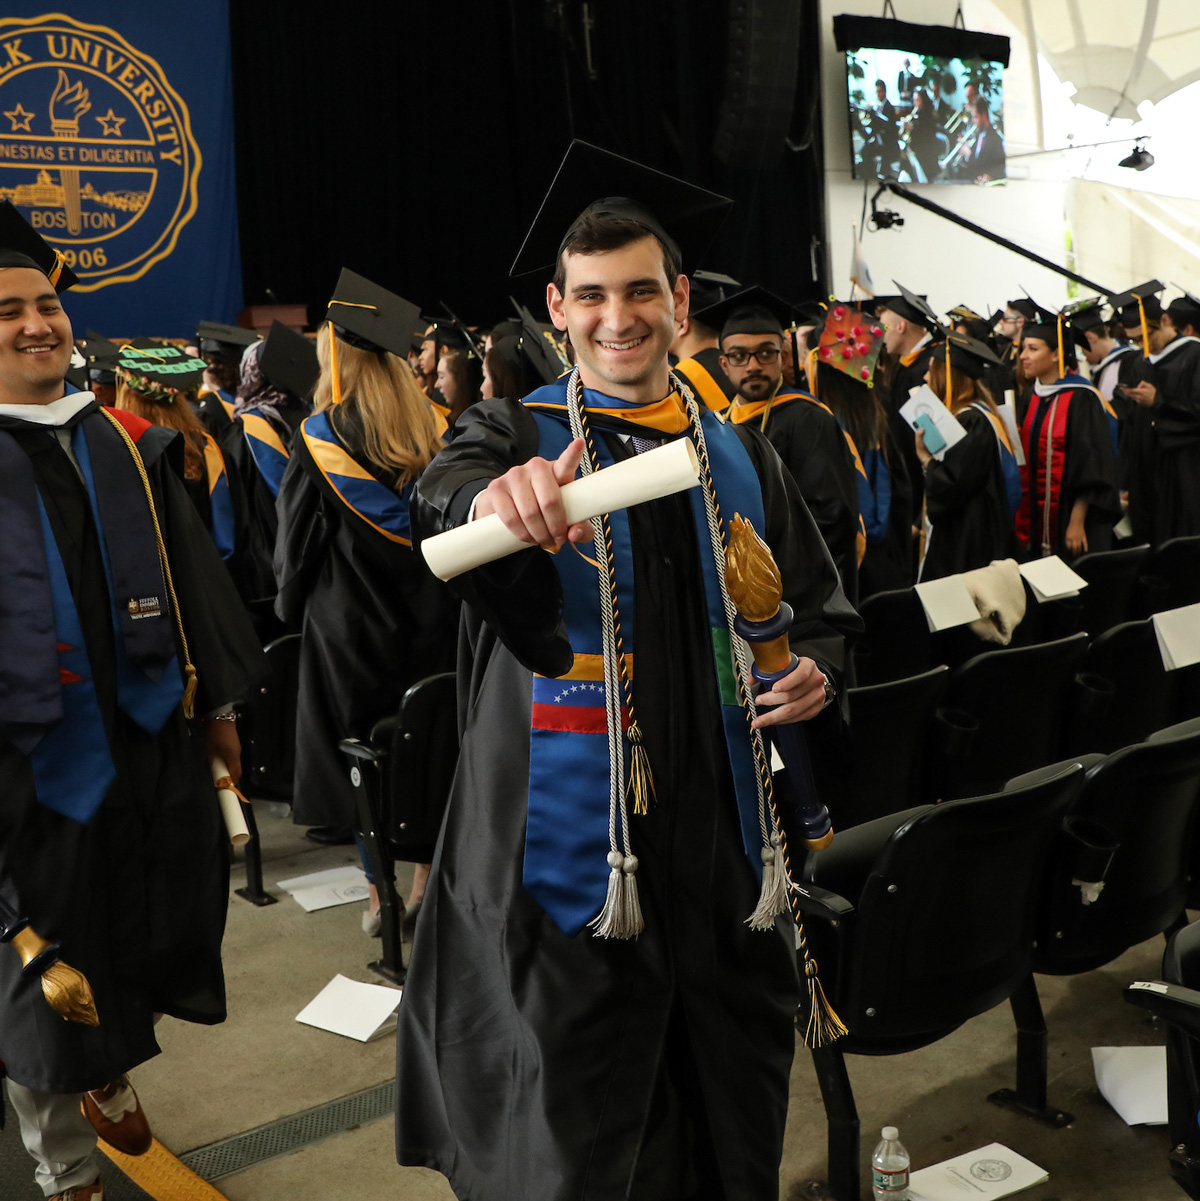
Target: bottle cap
x,y
890,1134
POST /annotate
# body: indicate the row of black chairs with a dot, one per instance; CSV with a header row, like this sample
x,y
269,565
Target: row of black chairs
x,y
925,918
1123,585
948,733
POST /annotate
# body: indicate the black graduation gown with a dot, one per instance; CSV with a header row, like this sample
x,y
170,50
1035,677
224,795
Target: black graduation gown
x,y
1176,417
813,448
1137,460
137,896
907,375
890,564
256,521
1089,473
535,1066
374,620
213,413
966,503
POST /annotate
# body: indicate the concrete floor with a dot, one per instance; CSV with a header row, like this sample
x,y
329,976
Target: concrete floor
x,y
262,1065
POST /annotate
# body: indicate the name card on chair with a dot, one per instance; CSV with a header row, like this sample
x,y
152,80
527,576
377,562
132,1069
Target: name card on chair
x,y
1051,579
1178,634
992,1171
947,603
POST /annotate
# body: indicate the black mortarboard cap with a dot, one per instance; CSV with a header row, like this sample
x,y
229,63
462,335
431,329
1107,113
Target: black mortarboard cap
x,y
1085,316
753,310
1185,310
1026,307
539,342
969,356
964,312
709,288
158,370
228,341
1129,298
1043,324
509,327
22,246
913,308
289,361
810,312
602,183
101,356
372,318
446,330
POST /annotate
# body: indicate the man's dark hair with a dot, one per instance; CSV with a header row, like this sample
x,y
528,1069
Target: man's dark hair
x,y
599,235
981,106
880,84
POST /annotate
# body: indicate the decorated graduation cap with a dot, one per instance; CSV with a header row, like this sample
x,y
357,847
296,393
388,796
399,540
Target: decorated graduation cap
x,y
709,288
227,341
964,312
158,371
592,182
22,246
751,311
850,341
1185,310
288,361
912,308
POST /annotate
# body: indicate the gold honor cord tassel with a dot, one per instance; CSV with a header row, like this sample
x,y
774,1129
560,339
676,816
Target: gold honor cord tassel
x,y
335,379
949,386
1062,354
1145,328
189,671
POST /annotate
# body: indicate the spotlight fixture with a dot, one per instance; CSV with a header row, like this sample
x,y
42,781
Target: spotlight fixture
x,y
1139,159
883,218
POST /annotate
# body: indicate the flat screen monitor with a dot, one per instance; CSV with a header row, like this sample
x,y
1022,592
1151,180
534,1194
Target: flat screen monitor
x,y
925,103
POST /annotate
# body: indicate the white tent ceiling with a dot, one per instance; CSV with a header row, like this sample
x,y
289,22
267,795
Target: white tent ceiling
x,y
1117,53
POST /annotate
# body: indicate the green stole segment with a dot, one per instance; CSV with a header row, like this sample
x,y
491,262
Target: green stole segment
x,y
566,842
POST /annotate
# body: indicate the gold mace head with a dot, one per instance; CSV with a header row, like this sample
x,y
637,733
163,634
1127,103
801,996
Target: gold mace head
x,y
751,575
69,994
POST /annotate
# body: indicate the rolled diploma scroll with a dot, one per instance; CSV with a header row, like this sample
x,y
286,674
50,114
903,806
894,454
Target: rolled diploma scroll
x,y
648,476
231,806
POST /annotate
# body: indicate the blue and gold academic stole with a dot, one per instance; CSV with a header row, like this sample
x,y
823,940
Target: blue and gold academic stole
x,y
267,449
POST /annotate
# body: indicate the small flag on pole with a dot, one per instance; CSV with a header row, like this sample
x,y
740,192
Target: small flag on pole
x,y
860,273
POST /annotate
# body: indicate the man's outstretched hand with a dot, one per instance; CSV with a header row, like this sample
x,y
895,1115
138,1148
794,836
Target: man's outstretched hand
x,y
528,499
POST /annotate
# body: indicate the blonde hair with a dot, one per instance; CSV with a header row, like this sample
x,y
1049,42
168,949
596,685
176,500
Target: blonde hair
x,y
965,391
178,415
399,434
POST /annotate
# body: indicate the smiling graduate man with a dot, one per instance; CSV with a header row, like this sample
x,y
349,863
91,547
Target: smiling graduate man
x,y
113,858
590,1011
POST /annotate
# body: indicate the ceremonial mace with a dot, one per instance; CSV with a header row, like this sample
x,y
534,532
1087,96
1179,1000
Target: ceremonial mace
x,y
65,988
764,619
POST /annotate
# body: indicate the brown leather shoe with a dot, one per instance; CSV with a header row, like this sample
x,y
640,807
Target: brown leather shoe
x,y
116,1113
86,1192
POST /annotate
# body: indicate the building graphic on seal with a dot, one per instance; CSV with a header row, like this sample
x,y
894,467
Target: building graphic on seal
x,y
96,148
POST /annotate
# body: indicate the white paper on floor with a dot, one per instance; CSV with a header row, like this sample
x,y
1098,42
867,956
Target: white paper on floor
x,y
320,890
1133,1080
992,1171
351,1008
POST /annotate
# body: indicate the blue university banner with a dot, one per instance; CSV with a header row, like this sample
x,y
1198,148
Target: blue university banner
x,y
116,144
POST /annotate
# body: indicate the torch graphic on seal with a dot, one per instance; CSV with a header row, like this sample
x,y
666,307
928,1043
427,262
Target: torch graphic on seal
x,y
74,97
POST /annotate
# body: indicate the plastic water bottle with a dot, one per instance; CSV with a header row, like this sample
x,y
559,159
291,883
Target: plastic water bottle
x,y
889,1167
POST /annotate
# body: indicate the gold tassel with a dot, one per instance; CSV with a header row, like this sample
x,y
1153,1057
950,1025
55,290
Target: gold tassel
x,y
641,779
824,1026
68,993
189,691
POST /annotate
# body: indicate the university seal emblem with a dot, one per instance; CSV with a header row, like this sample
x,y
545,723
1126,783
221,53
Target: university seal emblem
x,y
96,148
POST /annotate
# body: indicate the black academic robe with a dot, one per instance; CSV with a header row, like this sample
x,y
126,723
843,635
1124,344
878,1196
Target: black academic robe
x,y
908,373
215,410
137,896
890,561
255,516
707,379
1176,417
966,503
813,448
373,620
1137,458
536,1066
1089,473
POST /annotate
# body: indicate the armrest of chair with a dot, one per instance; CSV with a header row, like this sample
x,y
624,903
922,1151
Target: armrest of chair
x,y
1172,1002
822,903
368,752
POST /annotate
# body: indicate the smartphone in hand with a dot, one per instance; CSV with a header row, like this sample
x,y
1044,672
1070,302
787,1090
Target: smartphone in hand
x,y
933,439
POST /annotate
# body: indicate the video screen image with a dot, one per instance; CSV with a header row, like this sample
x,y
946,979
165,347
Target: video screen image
x,y
918,118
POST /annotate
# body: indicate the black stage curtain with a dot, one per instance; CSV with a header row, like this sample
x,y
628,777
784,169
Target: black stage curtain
x,y
413,142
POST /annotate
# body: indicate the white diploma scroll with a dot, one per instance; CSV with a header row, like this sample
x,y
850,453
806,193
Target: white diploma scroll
x,y
648,476
231,806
